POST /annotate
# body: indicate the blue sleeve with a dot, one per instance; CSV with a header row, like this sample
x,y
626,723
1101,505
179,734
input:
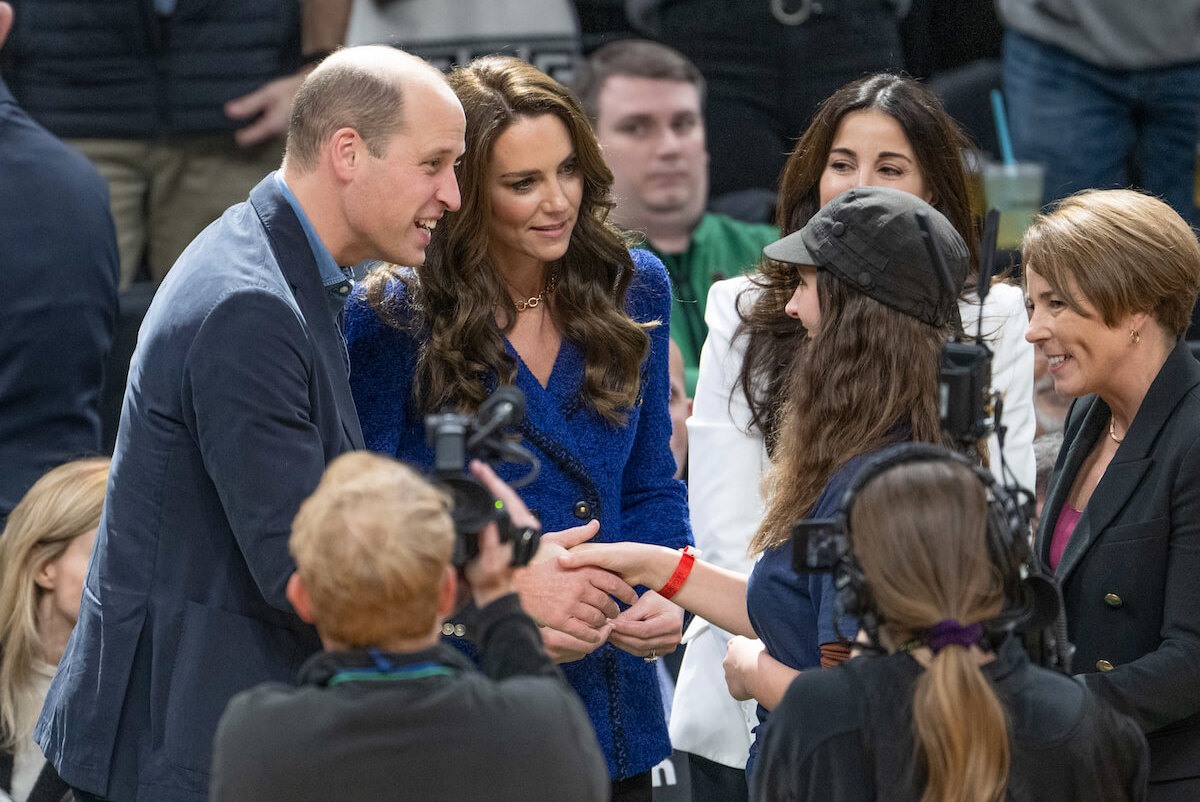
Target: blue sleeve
x,y
382,364
654,503
820,586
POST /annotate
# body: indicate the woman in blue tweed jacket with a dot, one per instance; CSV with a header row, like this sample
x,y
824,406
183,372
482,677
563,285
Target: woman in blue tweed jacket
x,y
529,285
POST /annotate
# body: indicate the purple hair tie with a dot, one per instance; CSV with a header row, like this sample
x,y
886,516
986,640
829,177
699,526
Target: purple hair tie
x,y
950,633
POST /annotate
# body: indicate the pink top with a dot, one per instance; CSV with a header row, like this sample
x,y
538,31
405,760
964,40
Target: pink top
x,y
1068,516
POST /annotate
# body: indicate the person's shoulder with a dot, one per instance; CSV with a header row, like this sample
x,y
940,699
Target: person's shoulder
x,y
260,709
822,703
650,291
759,234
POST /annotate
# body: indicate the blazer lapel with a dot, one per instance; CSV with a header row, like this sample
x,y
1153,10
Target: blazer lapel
x,y
299,268
1178,375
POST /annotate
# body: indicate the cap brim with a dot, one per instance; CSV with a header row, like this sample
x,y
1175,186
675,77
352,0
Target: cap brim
x,y
791,249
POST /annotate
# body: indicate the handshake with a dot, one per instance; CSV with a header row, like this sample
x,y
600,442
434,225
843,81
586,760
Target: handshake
x,y
573,599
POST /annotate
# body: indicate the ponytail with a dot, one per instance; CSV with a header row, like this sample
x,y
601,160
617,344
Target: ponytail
x,y
961,730
920,534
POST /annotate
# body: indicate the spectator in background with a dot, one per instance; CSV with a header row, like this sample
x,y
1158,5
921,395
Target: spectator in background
x,y
1105,94
181,104
58,265
1045,453
646,103
769,64
449,34
387,711
237,399
43,557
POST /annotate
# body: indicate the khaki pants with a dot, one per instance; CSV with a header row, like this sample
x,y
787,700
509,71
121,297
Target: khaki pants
x,y
164,192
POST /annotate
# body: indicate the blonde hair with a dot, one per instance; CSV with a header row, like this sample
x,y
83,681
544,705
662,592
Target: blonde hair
x,y
1126,252
919,531
62,505
371,545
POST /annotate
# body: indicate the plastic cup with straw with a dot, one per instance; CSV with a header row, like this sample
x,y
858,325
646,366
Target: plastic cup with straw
x,y
1014,188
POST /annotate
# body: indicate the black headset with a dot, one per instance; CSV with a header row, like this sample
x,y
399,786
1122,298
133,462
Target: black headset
x,y
1032,600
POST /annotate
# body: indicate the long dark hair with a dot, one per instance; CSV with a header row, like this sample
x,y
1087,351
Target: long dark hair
x,y
456,293
937,141
868,378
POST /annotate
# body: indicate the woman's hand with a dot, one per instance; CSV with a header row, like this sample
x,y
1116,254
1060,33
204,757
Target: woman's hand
x,y
741,663
751,673
652,627
636,563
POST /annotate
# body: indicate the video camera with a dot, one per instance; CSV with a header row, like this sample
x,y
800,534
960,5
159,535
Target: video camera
x,y
456,438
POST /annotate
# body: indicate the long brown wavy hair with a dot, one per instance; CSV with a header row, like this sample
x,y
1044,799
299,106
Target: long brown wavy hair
x,y
937,142
919,531
868,377
456,294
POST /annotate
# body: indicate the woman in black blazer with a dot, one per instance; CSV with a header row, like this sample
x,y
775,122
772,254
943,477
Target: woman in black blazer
x,y
1110,278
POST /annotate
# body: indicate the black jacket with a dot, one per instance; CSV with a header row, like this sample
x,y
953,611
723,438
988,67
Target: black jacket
x,y
58,305
1130,573
846,734
430,727
116,69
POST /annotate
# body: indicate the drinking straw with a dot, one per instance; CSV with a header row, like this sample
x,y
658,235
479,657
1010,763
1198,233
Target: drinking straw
x,y
1006,151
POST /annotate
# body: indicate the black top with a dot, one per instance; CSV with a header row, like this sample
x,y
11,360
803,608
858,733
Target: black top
x,y
432,727
846,734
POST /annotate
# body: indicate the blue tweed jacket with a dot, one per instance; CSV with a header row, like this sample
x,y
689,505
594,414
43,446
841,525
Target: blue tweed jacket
x,y
620,475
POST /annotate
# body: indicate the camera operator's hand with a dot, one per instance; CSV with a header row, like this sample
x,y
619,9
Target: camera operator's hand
x,y
651,628
490,574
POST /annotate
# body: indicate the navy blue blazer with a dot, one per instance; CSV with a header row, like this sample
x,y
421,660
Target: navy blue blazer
x,y
59,270
1130,573
237,399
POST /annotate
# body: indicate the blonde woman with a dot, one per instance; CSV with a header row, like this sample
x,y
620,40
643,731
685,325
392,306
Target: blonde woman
x,y
43,559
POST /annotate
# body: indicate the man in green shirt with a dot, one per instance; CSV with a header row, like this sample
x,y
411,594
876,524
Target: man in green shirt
x,y
645,101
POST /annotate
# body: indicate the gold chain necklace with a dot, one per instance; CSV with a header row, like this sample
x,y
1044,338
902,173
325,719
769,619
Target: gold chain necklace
x,y
533,302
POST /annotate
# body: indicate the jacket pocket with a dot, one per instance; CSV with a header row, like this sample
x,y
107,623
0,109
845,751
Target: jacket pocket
x,y
220,654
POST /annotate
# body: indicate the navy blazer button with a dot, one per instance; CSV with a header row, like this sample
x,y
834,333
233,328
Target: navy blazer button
x,y
447,628
1104,665
1113,600
583,510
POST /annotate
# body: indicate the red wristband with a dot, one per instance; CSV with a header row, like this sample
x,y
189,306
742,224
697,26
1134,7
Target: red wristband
x,y
687,558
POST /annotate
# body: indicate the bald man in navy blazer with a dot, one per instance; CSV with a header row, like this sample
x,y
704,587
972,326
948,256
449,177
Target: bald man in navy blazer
x,y
237,399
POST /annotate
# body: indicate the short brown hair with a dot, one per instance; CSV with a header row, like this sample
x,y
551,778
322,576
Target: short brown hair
x,y
348,90
371,545
1126,251
639,58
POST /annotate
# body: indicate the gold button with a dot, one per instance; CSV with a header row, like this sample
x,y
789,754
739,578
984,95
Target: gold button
x,y
1113,600
582,510
1104,665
